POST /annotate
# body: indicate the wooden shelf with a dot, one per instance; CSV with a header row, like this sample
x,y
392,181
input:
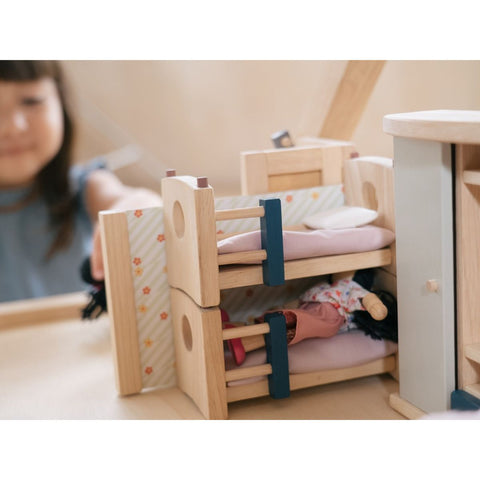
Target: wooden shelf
x,y
471,177
473,389
472,352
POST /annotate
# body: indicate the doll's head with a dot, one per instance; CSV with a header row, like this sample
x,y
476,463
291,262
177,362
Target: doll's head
x,y
36,136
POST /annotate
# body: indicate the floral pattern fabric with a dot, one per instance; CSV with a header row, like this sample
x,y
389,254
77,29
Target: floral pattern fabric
x,y
345,295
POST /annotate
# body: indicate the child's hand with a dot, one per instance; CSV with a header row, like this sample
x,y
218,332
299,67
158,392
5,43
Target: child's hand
x,y
106,192
96,258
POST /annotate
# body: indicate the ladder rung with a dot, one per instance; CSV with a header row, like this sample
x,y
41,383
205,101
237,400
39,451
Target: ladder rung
x,y
248,372
237,213
247,331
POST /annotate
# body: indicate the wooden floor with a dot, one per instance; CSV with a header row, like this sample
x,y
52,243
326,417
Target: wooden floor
x,y
64,370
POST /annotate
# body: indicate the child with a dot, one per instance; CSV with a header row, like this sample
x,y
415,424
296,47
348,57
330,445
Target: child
x,y
48,209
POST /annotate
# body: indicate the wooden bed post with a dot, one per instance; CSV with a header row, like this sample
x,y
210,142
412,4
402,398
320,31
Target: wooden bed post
x,y
121,302
190,232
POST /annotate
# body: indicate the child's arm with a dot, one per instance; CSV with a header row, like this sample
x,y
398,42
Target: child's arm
x,y
105,191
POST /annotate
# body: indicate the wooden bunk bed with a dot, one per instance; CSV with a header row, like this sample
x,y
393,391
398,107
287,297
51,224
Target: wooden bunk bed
x,y
197,274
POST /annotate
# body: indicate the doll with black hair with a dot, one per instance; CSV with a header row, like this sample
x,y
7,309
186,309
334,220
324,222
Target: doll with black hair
x,y
387,327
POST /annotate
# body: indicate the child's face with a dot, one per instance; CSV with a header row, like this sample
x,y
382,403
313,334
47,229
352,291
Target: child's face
x,y
31,129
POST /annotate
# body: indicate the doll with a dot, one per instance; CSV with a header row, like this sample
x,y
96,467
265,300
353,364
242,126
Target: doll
x,y
367,321
326,309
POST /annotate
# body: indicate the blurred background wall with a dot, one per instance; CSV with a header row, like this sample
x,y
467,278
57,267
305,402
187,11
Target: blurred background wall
x,y
197,116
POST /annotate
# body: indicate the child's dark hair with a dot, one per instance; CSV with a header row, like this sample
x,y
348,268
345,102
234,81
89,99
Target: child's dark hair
x,y
52,182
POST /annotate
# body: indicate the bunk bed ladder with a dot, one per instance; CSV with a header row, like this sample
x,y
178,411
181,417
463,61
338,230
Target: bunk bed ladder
x,y
277,355
273,266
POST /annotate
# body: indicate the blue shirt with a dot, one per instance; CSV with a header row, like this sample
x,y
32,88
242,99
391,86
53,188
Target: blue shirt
x,y
25,238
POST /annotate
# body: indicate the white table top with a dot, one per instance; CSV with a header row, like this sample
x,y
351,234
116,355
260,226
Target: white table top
x,y
447,126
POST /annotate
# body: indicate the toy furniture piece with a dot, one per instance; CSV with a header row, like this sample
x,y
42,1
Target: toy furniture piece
x,y
133,243
437,198
319,162
197,274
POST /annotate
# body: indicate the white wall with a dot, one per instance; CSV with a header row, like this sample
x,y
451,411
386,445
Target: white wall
x,y
197,116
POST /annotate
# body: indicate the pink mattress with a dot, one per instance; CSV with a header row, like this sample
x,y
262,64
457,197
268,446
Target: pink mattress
x,y
315,243
314,354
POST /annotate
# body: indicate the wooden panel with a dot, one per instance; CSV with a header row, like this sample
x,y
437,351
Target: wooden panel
x,y
121,301
375,367
294,181
190,233
472,352
468,263
333,163
405,408
199,354
347,146
39,310
291,168
350,99
369,183
294,160
304,380
473,389
424,242
241,276
253,173
472,177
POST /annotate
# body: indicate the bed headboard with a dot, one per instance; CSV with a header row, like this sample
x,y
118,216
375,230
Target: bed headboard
x,y
368,182
281,169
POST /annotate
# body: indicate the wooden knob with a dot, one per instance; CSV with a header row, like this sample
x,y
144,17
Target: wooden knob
x,y
432,286
202,182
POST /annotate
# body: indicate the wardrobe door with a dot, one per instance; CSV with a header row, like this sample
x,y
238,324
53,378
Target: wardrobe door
x,y
425,272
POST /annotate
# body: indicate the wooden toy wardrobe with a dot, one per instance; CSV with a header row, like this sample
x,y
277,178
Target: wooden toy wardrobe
x,y
197,274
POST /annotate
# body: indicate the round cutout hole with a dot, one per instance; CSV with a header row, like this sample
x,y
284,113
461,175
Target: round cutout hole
x,y
187,333
178,219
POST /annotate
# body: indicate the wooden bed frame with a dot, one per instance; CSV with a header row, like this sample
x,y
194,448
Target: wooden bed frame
x,y
197,274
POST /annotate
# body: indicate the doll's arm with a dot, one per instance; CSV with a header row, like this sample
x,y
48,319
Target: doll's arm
x,y
374,306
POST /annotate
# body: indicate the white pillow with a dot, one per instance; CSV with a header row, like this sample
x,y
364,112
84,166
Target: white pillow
x,y
341,217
